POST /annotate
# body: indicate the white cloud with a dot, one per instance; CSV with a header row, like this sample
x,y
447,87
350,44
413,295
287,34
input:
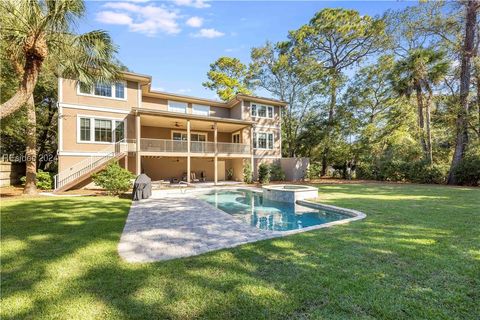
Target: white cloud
x,y
195,22
192,3
208,33
111,17
148,19
184,90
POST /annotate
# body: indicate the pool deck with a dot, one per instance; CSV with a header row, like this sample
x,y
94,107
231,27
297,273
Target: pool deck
x,y
170,227
173,225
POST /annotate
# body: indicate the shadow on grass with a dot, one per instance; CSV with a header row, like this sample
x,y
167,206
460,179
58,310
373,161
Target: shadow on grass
x,y
402,262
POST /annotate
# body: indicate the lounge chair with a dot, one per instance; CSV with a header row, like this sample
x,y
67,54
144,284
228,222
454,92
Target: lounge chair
x,y
193,177
203,176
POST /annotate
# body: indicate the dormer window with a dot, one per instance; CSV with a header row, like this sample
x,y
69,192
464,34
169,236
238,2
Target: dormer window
x,y
113,91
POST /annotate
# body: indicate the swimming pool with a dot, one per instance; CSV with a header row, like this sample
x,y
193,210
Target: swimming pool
x,y
250,207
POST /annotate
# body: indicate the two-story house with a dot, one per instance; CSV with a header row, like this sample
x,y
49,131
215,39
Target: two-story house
x,y
168,136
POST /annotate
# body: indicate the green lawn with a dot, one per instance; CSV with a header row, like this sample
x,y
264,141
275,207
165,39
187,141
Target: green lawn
x,y
416,255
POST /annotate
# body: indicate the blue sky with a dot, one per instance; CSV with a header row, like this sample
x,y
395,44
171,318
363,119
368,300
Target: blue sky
x,y
175,41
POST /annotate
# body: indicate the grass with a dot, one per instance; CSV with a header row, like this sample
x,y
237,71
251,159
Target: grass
x,y
417,255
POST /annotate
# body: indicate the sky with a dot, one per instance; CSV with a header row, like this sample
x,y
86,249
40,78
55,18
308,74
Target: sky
x,y
176,41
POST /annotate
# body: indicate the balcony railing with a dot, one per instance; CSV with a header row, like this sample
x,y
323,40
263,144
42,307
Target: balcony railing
x,y
163,145
237,148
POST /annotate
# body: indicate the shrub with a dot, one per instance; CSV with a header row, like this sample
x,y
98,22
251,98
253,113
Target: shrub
x,y
392,170
468,171
264,173
247,173
423,172
366,171
44,180
277,173
114,179
314,170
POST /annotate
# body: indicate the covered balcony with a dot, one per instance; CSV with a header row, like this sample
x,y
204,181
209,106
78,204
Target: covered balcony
x,y
166,134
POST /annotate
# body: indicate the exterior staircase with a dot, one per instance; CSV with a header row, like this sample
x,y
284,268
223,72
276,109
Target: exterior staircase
x,y
83,170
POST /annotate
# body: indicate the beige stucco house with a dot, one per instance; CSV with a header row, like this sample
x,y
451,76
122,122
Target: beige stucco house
x,y
168,136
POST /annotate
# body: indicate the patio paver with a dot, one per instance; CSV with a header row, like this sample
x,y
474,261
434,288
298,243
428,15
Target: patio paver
x,y
170,227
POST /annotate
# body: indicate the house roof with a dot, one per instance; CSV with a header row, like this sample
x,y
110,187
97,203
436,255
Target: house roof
x,y
146,82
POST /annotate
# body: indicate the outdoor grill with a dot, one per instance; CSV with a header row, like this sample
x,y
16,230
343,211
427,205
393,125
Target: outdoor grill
x,y
142,188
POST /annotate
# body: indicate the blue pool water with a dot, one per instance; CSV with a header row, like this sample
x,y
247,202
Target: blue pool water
x,y
251,208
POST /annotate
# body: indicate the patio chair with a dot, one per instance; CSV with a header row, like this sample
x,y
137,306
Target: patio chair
x,y
203,176
193,177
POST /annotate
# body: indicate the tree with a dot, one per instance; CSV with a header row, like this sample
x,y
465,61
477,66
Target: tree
x,y
418,73
461,141
370,95
228,77
337,39
14,127
41,32
281,70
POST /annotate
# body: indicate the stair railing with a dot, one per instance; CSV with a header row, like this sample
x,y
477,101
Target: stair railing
x,y
87,165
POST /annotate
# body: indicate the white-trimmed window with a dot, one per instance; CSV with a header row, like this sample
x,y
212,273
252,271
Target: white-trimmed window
x,y
100,130
261,111
200,110
175,106
103,130
194,136
85,129
113,91
263,140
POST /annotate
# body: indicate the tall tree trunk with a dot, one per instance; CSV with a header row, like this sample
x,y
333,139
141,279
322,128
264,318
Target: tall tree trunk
x,y
331,114
31,70
44,137
421,120
462,116
477,83
31,152
428,123
476,68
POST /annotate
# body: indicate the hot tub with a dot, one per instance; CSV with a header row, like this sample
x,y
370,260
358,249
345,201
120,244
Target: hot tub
x,y
289,192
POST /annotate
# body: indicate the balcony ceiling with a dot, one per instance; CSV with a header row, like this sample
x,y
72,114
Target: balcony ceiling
x,y
181,124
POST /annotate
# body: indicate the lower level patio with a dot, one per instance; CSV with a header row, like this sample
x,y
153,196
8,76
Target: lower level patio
x,y
164,228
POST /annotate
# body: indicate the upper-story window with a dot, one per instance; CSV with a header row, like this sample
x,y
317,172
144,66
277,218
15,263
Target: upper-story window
x,y
175,106
261,111
114,91
100,130
263,140
200,110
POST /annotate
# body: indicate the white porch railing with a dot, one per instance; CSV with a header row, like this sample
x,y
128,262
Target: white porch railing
x,y
79,169
164,145
237,148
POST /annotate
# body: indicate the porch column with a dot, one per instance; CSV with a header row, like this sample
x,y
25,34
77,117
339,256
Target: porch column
x,y
188,151
215,160
138,166
251,151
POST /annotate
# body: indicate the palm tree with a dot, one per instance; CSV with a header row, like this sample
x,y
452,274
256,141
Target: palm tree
x,y
418,73
39,32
